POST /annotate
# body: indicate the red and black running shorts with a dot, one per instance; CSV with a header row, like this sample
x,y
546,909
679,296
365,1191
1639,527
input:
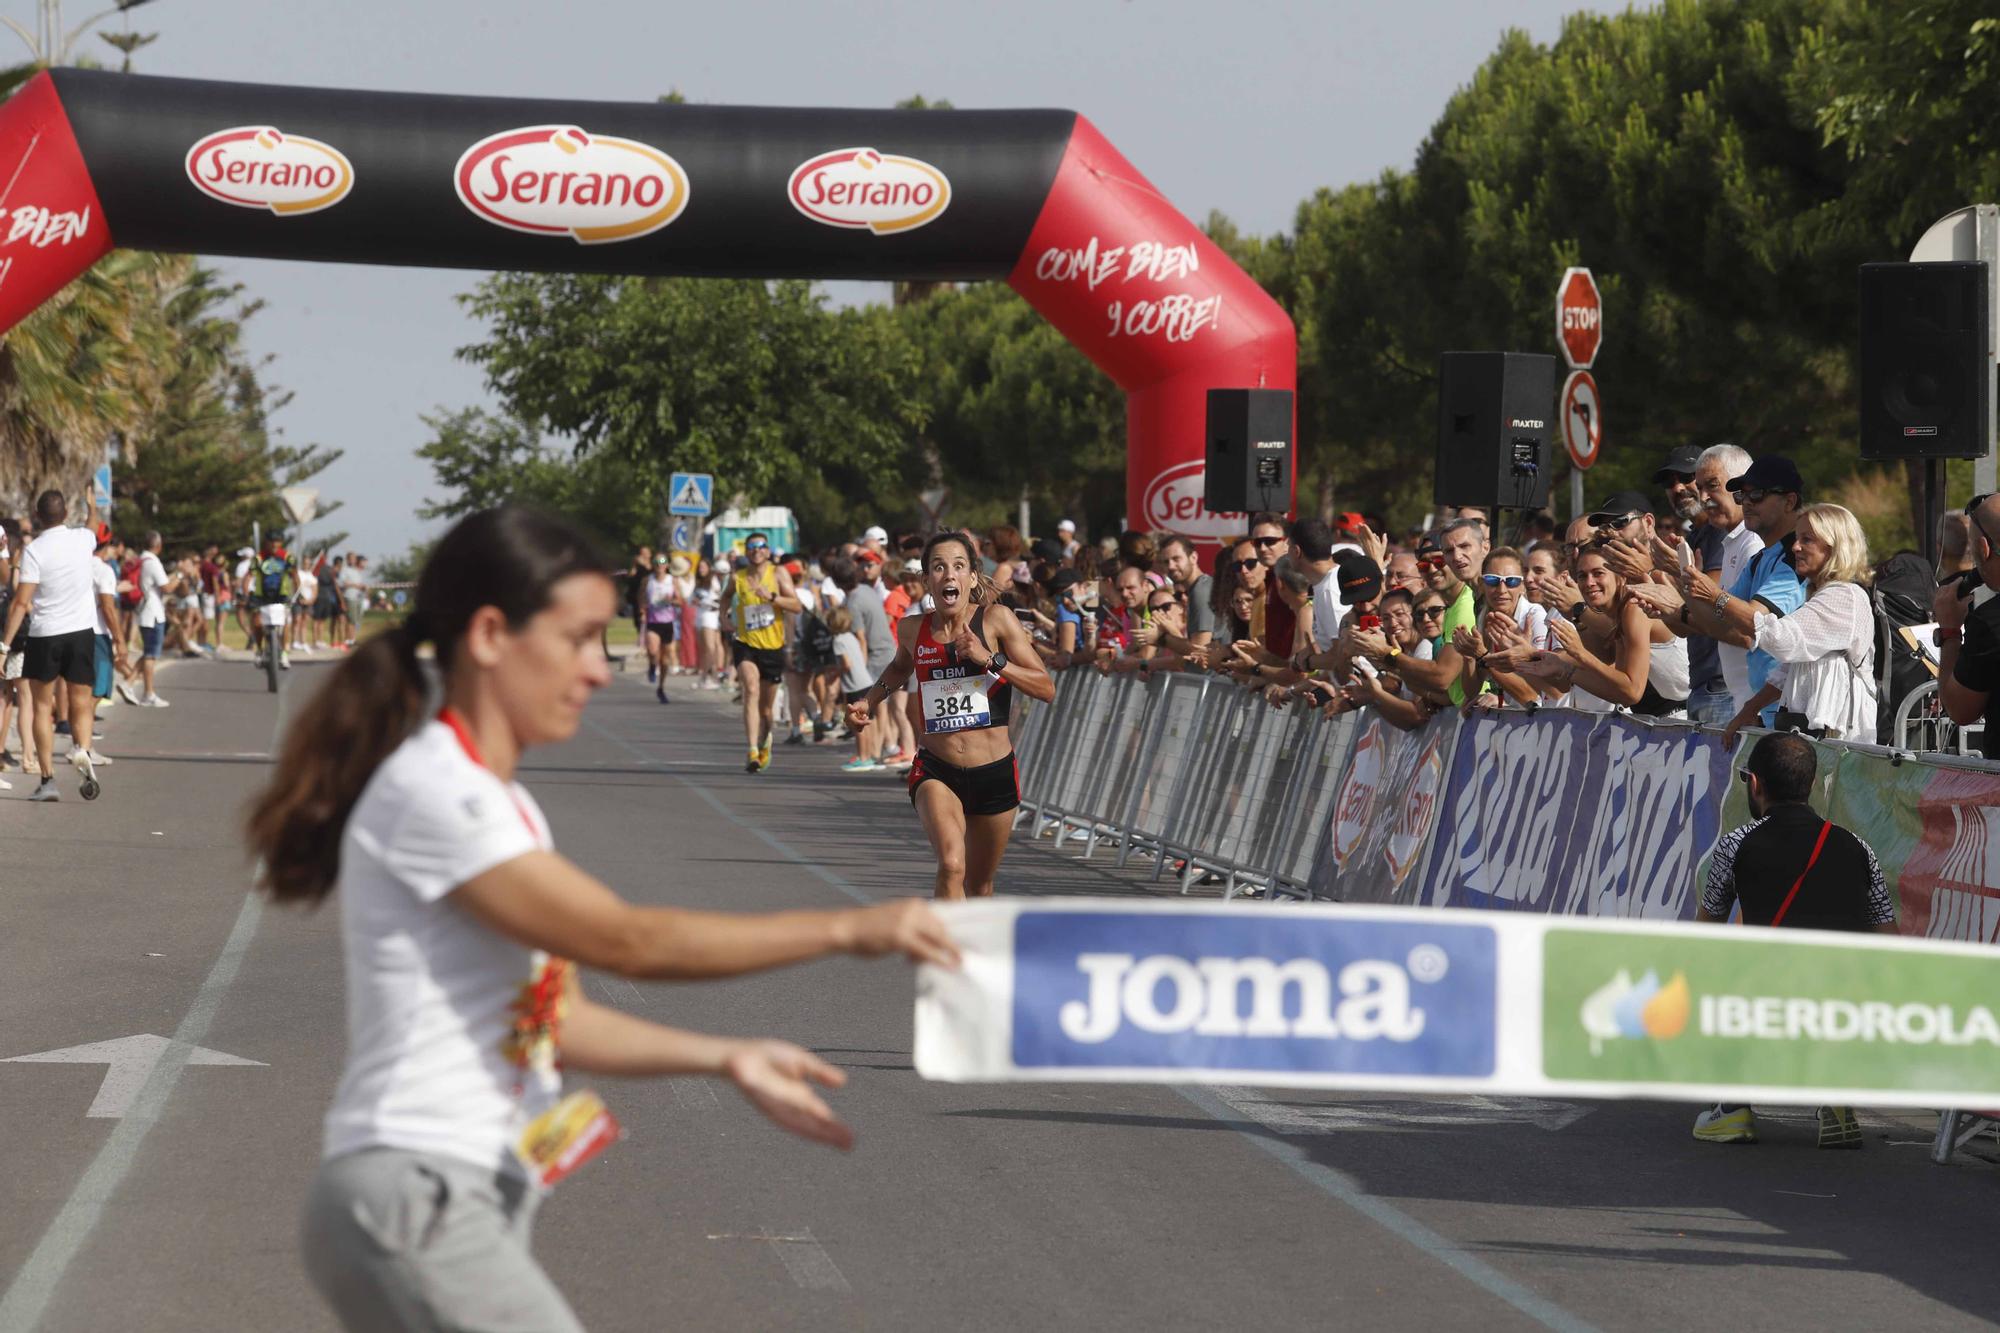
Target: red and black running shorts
x,y
990,789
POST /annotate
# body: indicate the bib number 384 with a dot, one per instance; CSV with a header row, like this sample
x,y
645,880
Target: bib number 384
x,y
956,705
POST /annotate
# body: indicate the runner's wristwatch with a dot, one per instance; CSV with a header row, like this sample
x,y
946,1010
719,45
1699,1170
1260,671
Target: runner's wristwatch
x,y
996,664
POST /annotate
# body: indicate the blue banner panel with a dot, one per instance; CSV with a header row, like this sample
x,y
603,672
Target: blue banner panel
x,y
1279,993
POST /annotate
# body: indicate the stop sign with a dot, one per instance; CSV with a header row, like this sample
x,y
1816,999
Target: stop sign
x,y
1579,317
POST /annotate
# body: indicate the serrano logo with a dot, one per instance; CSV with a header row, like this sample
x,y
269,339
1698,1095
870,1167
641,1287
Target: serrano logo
x,y
859,187
260,166
1173,503
556,180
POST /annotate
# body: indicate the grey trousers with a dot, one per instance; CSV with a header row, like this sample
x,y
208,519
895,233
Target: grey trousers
x,y
404,1240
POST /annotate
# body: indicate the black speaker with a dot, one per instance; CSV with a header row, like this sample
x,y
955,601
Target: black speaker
x,y
1496,417
1249,453
1925,354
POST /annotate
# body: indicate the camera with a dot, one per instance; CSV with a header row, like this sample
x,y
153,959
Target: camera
x,y
1966,579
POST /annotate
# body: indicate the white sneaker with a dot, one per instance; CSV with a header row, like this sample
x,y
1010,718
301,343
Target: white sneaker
x,y
284,661
46,791
128,692
154,701
76,757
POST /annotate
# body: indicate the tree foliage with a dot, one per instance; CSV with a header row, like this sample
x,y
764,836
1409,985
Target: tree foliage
x,y
1721,167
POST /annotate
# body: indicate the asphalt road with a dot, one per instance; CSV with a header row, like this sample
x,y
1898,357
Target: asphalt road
x,y
961,1208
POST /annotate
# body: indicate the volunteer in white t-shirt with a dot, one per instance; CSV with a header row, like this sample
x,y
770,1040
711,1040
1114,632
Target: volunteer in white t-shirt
x,y
56,586
153,583
463,933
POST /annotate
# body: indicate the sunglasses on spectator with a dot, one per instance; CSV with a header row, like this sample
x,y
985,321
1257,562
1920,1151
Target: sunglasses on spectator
x,y
1266,541
1496,580
1428,612
756,546
1162,606
1430,562
1615,520
1251,563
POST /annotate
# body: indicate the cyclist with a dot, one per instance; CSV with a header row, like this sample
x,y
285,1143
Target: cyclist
x,y
968,655
753,601
269,587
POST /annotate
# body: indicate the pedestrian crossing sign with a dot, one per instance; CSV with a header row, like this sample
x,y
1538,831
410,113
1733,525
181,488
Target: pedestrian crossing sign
x,y
690,492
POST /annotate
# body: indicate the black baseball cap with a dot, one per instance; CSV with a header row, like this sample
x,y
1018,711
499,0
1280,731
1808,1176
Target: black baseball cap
x,y
1064,578
1619,506
1681,462
1772,472
1360,577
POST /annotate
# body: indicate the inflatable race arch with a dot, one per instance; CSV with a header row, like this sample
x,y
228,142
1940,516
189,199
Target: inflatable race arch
x,y
92,160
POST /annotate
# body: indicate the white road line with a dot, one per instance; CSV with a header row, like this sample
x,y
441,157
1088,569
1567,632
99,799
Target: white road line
x,y
806,1260
28,1295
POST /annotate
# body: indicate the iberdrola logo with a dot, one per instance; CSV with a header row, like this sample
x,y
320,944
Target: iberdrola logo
x,y
1620,1008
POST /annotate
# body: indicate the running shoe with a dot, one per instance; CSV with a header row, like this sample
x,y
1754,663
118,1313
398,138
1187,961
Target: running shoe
x,y
660,692
62,726
128,692
1838,1127
154,701
753,764
862,766
46,791
1721,1124
652,672
764,753
284,661
901,760
822,735
796,738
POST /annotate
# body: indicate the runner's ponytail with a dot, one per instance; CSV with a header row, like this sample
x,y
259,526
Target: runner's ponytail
x,y
510,558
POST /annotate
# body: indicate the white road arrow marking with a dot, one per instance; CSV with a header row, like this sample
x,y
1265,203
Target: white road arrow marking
x,y
1334,1117
131,1061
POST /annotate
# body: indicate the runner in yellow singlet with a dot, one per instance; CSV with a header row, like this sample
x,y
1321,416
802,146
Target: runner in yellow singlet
x,y
753,600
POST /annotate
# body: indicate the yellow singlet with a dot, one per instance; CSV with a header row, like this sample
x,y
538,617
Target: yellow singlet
x,y
758,624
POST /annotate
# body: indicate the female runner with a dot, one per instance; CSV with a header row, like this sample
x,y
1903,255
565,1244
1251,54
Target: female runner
x,y
463,930
968,655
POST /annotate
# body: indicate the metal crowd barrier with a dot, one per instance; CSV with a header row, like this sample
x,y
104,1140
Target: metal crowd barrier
x,y
1203,777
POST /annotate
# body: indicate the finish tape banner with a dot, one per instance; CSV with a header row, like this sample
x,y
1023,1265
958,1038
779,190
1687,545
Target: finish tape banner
x,y
1428,1000
1935,831
1576,814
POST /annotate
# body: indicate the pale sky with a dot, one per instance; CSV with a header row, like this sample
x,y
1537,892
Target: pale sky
x,y
1245,107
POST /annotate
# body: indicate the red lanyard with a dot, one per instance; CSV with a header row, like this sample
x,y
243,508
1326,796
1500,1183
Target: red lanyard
x,y
1786,906
449,716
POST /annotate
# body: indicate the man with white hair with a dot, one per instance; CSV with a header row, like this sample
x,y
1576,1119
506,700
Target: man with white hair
x,y
1719,465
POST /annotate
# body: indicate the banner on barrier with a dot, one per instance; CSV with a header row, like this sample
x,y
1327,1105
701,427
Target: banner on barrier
x,y
1576,814
1451,1001
1385,807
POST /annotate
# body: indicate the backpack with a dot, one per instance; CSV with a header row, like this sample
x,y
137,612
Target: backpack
x,y
274,580
1904,586
815,641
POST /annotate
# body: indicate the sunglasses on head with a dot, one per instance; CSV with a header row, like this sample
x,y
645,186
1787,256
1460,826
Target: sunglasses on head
x,y
1497,580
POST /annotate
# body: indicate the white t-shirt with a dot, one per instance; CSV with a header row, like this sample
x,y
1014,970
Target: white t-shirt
x,y
59,562
152,583
308,592
429,987
102,580
1329,609
1739,548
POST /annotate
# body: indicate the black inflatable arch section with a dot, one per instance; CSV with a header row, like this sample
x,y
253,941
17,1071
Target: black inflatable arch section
x,y
1040,199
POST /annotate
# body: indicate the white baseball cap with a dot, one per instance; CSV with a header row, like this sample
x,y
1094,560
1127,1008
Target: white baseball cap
x,y
244,550
1066,526
875,535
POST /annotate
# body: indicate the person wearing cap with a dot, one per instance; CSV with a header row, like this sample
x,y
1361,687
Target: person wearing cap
x,y
1771,493
875,539
1712,696
1625,532
1066,535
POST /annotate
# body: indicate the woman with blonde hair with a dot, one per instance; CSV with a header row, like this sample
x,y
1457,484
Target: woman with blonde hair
x,y
1825,649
